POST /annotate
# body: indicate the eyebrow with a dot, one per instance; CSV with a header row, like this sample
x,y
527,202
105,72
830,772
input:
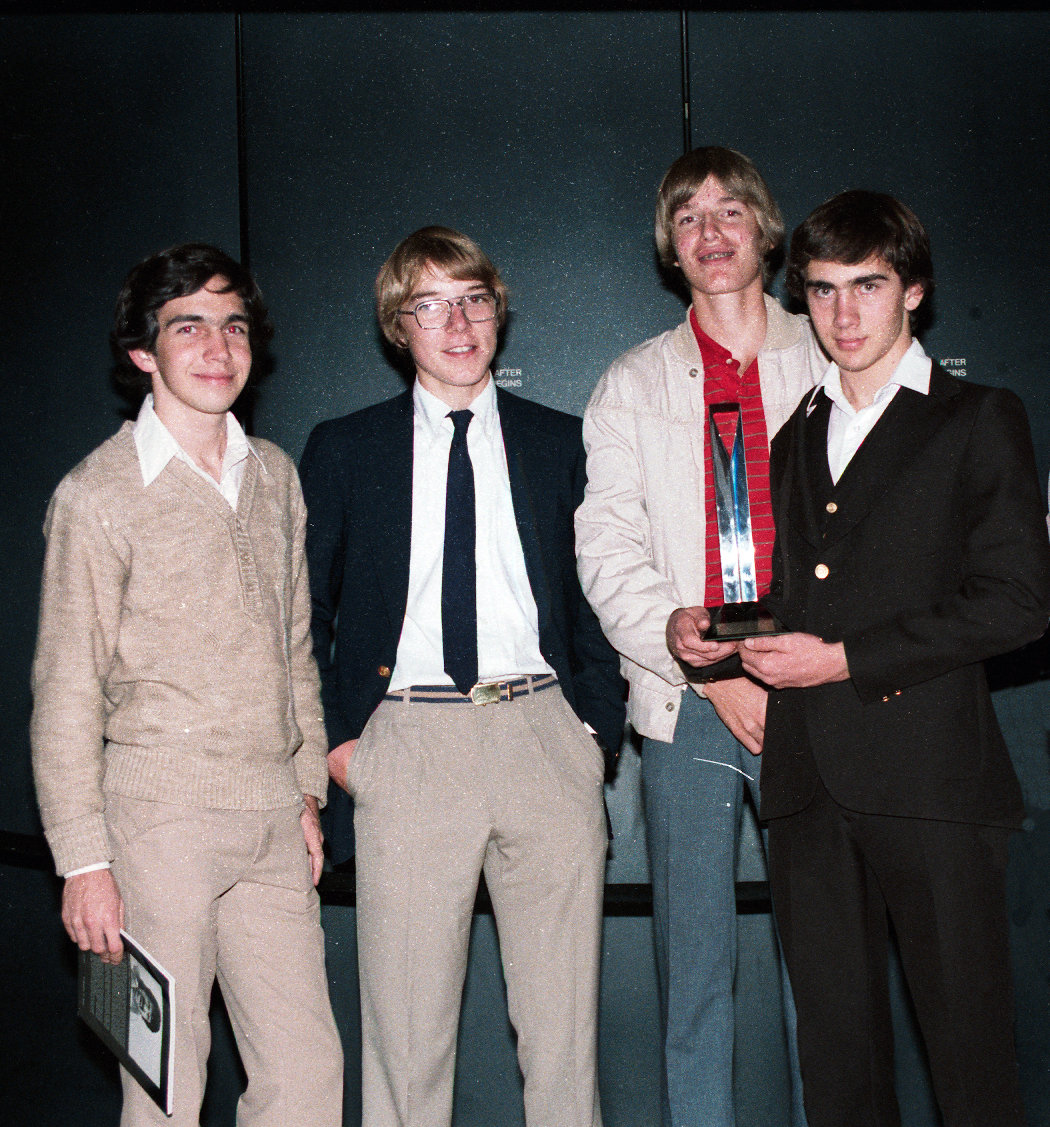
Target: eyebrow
x,y
422,295
721,200
196,318
816,283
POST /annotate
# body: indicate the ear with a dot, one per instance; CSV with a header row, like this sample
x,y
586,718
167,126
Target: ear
x,y
143,360
913,296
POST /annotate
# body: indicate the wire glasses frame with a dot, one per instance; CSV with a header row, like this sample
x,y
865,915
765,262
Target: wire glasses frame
x,y
435,313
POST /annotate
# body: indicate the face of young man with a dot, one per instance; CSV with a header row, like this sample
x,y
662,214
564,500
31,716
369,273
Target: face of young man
x,y
718,243
202,356
451,362
860,313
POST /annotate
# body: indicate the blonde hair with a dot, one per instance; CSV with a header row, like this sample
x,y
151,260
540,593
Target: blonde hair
x,y
444,249
737,175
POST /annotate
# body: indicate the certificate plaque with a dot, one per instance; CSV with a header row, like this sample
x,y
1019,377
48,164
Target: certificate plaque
x,y
741,615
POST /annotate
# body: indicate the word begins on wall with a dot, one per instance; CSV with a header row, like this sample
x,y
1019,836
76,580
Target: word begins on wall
x,y
508,377
955,367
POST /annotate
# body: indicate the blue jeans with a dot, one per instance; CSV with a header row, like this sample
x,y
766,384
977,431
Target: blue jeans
x,y
693,810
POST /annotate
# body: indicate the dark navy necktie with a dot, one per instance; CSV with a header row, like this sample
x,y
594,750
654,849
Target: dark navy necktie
x,y
459,600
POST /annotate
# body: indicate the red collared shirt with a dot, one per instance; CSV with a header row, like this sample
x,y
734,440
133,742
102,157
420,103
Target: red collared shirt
x,y
723,383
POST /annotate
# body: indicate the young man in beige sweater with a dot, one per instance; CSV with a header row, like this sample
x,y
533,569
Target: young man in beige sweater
x,y
178,741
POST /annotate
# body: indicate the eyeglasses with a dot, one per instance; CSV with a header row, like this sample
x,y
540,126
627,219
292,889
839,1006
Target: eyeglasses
x,y
435,313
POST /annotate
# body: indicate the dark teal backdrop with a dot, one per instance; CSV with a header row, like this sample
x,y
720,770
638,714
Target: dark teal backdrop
x,y
313,143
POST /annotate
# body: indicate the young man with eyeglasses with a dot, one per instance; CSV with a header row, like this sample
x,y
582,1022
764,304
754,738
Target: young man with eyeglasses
x,y
460,664
649,560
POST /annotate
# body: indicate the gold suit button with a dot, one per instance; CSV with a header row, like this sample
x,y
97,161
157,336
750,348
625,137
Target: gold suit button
x,y
885,699
383,671
822,571
831,507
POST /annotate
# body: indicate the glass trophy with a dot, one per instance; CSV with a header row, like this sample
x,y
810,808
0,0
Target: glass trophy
x,y
741,615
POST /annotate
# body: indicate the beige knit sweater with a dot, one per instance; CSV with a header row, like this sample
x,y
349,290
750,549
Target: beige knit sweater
x,y
173,658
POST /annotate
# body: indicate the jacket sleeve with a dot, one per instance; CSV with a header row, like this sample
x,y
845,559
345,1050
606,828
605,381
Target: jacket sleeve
x,y
85,574
322,484
1002,599
631,598
598,685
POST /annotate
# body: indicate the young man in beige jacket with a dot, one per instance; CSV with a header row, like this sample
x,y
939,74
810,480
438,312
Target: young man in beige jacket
x,y
647,547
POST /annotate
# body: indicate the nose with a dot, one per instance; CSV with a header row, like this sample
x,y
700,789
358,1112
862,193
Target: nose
x,y
709,228
845,310
217,343
457,317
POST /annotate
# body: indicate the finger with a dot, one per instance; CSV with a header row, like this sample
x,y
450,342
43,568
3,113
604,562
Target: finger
x,y
749,741
114,948
313,847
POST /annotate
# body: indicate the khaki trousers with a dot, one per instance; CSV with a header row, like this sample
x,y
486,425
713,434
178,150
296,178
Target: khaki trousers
x,y
443,792
226,894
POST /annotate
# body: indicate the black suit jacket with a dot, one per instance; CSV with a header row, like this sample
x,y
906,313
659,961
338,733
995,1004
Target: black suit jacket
x,y
936,556
357,480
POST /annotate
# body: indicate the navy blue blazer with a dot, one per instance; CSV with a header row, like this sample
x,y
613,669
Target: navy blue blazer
x,y
356,475
929,555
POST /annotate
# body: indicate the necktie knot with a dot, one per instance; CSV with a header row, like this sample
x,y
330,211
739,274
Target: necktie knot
x,y
460,421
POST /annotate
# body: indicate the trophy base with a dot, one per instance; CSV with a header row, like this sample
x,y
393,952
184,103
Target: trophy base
x,y
732,622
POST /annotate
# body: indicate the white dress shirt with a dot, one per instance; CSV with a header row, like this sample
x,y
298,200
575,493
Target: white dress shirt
x,y
508,634
847,427
156,447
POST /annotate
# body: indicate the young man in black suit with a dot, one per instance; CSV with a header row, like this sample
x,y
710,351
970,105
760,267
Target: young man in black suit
x,y
460,664
910,546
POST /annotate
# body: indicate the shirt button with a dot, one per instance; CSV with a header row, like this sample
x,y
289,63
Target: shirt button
x,y
669,706
694,372
383,671
822,571
831,507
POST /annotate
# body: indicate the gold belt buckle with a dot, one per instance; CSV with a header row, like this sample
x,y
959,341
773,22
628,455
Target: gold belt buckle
x,y
486,694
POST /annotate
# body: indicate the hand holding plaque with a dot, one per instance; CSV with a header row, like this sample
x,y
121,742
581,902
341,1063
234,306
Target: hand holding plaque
x,y
742,615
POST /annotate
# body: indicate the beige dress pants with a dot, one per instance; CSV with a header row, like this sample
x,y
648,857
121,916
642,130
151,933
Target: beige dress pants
x,y
444,791
226,894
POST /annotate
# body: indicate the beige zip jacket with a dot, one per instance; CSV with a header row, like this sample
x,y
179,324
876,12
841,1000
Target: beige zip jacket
x,y
640,535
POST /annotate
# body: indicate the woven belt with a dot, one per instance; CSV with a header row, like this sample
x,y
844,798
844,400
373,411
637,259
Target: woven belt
x,y
488,692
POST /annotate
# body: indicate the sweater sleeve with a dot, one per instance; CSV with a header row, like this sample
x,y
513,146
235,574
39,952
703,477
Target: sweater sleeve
x,y
85,574
311,766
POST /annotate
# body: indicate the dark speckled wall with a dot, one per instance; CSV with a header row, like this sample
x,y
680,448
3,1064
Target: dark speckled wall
x,y
543,135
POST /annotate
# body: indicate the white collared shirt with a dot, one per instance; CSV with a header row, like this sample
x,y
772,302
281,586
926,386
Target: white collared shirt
x,y
156,447
508,634
847,427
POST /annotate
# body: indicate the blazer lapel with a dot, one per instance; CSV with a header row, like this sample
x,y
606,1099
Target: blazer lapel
x,y
897,438
390,460
520,454
806,482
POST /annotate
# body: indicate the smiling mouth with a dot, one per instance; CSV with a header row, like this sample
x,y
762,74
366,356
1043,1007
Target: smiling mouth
x,y
716,255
